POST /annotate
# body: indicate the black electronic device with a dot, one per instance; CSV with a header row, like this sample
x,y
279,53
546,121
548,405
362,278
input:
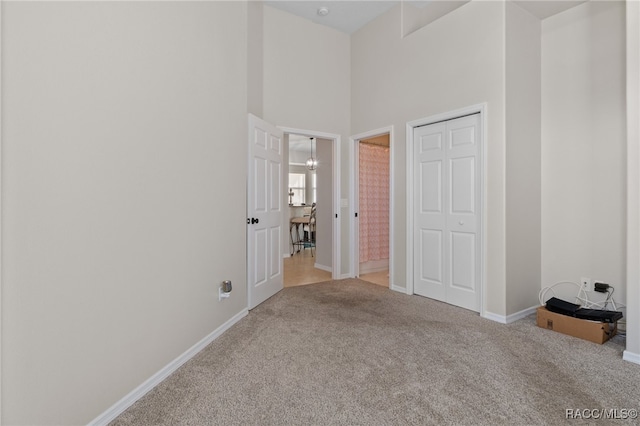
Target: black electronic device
x,y
563,307
598,315
560,306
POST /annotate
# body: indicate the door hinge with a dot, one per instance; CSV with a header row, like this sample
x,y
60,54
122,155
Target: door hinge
x,y
356,214
336,215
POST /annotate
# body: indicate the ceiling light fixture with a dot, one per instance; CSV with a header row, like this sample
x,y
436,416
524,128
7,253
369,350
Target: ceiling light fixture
x,y
323,11
312,163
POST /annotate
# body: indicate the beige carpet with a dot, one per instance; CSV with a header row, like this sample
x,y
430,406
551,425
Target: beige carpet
x,y
353,353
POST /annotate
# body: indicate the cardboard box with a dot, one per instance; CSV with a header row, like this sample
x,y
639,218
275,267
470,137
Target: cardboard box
x,y
594,331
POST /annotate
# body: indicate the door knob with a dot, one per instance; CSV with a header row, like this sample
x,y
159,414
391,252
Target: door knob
x,y
254,220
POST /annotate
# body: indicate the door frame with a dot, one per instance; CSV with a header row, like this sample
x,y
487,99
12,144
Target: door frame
x,y
1,221
410,126
335,158
354,193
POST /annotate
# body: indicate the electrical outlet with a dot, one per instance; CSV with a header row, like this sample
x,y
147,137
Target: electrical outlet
x,y
586,283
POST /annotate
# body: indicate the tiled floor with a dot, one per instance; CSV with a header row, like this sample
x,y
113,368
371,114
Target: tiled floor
x,y
299,270
380,278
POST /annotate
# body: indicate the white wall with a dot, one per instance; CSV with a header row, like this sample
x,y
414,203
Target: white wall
x,y
523,168
584,145
324,216
418,15
633,180
255,59
307,85
454,62
116,231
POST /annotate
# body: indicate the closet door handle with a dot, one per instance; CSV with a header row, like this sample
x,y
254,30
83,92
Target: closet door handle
x,y
461,223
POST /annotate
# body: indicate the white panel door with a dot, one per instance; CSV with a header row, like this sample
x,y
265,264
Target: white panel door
x,y
264,211
430,219
446,213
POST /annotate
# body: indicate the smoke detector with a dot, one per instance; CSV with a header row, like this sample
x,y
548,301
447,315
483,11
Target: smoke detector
x,y
323,11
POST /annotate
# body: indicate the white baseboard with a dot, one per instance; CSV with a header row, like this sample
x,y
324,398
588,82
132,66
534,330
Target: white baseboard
x,y
502,319
345,276
119,407
374,266
494,317
631,357
323,267
398,289
522,314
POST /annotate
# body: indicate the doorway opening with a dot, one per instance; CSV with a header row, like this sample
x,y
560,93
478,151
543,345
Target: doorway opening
x,y
311,185
372,216
268,222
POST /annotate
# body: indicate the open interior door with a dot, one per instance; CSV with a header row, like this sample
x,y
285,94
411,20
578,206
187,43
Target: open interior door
x,y
264,211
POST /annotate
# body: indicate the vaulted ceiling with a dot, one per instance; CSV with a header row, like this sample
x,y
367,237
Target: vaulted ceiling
x,y
349,16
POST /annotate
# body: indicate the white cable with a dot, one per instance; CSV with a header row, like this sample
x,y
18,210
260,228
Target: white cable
x,y
581,297
543,292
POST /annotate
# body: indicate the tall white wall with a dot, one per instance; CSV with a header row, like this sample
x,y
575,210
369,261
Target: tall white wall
x,y
418,15
523,168
632,352
255,57
120,120
454,62
584,145
307,85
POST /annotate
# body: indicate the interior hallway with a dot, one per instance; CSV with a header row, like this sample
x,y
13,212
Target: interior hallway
x,y
299,270
380,278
